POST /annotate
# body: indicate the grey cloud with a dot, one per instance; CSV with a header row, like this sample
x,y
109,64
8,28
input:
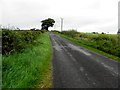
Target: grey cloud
x,y
119,14
28,14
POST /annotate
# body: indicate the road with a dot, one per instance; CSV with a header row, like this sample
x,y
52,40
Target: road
x,y
76,67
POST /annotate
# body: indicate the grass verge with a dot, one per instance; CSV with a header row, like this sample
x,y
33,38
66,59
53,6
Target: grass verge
x,y
30,68
90,48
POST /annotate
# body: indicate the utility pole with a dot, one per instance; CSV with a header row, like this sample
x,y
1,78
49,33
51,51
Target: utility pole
x,y
118,23
61,24
118,17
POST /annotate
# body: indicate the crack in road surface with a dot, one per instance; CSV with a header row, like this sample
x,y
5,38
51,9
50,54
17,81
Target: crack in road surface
x,y
75,67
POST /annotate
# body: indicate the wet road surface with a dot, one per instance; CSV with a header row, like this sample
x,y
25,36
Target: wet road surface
x,y
76,67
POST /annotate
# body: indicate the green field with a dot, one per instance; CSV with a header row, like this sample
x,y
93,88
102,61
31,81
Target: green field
x,y
29,68
105,44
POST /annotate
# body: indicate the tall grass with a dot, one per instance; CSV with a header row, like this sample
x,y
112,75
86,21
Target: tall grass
x,y
107,43
0,71
26,69
0,59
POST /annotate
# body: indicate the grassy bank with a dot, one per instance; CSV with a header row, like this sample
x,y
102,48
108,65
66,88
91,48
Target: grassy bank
x,y
29,69
89,47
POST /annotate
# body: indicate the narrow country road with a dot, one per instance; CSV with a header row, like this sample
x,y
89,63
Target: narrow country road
x,y
76,67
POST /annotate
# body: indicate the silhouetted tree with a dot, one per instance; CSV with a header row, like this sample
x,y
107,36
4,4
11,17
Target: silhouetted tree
x,y
102,33
95,32
47,23
33,29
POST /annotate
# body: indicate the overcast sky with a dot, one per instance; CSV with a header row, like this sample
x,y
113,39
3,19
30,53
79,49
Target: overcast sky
x,y
83,15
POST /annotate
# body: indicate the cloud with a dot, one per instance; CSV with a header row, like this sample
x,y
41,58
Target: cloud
x,y
89,14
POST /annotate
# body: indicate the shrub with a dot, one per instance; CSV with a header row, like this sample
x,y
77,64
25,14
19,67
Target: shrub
x,y
72,33
16,40
105,42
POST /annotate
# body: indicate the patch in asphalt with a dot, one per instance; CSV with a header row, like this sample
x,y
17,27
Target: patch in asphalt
x,y
78,49
110,68
56,46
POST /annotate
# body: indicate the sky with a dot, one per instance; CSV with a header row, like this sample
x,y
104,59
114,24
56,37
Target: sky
x,y
119,16
81,15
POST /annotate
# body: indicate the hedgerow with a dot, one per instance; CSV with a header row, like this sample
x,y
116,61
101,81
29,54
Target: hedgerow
x,y
108,43
17,40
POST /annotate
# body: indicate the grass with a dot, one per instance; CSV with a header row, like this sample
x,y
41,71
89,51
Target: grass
x,y
76,41
0,32
30,68
0,63
0,71
108,43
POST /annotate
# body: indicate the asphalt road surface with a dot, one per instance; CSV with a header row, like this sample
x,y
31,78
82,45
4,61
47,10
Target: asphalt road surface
x,y
76,67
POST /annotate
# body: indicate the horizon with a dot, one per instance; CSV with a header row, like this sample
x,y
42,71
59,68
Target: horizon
x,y
94,16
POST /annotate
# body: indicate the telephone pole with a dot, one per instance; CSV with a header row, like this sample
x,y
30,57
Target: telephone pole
x,y
118,18
118,23
61,24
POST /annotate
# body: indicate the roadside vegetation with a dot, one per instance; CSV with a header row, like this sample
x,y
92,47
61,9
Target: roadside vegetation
x,y
0,60
17,40
26,59
106,44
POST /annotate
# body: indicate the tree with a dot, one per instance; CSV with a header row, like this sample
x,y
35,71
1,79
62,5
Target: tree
x,y
102,33
47,23
33,29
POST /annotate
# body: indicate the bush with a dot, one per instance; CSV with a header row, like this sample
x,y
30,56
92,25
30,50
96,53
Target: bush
x,y
16,40
72,33
105,42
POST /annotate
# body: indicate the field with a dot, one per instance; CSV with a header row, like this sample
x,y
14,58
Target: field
x,y
103,43
28,67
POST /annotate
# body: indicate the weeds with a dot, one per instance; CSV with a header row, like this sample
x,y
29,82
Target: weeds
x,y
104,42
26,69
